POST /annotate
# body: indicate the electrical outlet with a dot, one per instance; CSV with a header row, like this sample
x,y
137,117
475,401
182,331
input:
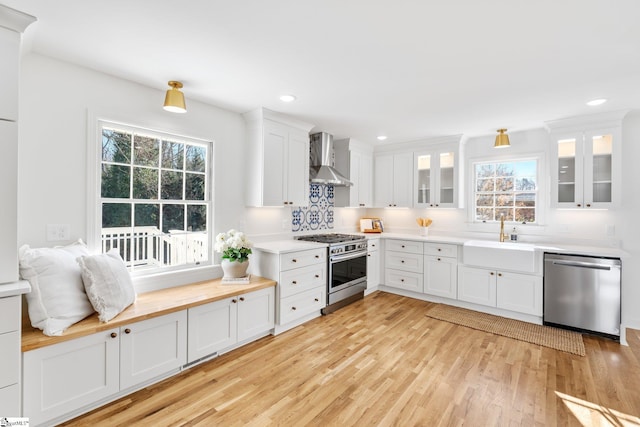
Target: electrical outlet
x,y
58,232
610,230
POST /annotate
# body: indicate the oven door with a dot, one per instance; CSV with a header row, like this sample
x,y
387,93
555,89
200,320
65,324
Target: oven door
x,y
347,270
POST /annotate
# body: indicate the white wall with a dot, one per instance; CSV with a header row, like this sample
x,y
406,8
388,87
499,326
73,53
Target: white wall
x,y
55,99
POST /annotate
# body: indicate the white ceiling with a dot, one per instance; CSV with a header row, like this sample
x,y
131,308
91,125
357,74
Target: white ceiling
x,y
409,69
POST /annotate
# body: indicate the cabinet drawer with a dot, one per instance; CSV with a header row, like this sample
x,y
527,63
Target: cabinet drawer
x,y
10,357
373,244
9,314
403,280
441,249
10,401
404,246
301,304
404,261
302,279
303,258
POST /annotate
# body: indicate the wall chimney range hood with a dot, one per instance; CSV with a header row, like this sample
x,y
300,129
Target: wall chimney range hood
x,y
321,170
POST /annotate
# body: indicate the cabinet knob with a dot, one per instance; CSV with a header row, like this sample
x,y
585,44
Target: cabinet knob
x,y
402,280
403,246
241,298
373,245
402,261
361,204
127,331
293,308
235,301
439,250
316,299
499,274
588,205
437,205
317,256
317,276
492,273
295,282
113,335
431,205
294,260
579,205
439,259
368,254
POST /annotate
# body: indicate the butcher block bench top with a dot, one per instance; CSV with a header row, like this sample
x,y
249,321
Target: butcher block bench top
x,y
147,306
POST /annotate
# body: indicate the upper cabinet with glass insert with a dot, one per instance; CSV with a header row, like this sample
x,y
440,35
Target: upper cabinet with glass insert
x,y
586,162
436,178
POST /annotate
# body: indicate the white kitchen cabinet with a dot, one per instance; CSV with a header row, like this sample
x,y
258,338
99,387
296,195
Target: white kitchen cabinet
x,y
302,283
393,180
354,160
436,178
403,262
152,347
277,160
220,325
9,197
521,293
65,377
10,308
441,270
373,264
586,162
9,71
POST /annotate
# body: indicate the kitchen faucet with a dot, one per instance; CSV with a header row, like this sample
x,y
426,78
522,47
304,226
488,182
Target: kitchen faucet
x,y
502,233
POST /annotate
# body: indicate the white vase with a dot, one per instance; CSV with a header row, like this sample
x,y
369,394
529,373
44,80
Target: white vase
x,y
234,269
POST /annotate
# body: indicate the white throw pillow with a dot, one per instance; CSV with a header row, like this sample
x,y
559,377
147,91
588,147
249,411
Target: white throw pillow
x,y
57,299
108,283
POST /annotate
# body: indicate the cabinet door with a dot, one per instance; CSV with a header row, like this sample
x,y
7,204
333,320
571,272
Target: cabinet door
x,y
373,269
212,328
423,180
404,261
9,197
403,280
301,304
64,377
477,285
365,180
519,292
446,194
567,190
9,73
403,180
274,187
601,168
302,279
441,276
383,181
297,168
151,348
256,313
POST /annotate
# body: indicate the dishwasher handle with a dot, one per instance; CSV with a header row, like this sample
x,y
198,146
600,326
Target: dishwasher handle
x,y
583,265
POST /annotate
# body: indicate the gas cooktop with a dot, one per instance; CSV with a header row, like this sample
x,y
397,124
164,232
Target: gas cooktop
x,y
330,238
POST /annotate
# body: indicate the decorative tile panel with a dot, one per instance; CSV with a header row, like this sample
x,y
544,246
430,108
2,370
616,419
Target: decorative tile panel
x,y
319,214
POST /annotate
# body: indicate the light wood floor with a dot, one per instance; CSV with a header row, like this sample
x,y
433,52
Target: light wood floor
x,y
381,361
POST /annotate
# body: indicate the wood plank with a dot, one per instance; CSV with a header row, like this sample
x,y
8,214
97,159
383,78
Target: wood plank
x,y
381,361
147,306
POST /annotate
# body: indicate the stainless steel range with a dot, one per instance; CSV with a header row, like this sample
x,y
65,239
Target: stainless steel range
x,y
347,268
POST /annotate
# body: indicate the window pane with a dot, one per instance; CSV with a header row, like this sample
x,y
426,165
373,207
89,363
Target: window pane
x,y
172,155
485,170
526,199
171,185
196,158
504,184
194,186
145,183
507,212
115,181
147,215
525,215
172,218
484,185
484,214
196,218
528,183
504,200
504,169
116,146
116,215
484,200
145,151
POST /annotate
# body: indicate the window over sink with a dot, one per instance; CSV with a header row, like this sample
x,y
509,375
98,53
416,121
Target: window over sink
x,y
506,188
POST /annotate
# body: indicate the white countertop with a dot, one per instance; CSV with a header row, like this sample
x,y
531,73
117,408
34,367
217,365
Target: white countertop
x,y
292,245
14,288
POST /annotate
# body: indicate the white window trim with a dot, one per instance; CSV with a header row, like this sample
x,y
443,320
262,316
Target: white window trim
x,y
144,281
542,181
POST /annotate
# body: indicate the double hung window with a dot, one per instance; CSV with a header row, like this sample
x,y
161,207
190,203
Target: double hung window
x,y
154,198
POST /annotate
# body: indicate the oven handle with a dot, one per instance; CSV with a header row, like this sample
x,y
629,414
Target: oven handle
x,y
337,258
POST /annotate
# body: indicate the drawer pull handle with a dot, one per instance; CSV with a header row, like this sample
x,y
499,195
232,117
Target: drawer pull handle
x,y
317,276
113,335
294,282
235,301
579,205
403,246
317,256
293,308
316,299
492,273
402,280
588,205
368,254
402,261
294,260
127,331
241,298
439,259
499,274
439,250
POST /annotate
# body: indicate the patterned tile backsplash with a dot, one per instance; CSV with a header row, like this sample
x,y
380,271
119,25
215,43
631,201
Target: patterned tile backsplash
x,y
319,214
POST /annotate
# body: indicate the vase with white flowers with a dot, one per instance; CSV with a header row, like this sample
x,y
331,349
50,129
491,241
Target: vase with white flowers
x,y
235,249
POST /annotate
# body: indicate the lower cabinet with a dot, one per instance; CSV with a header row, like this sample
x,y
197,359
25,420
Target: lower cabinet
x,y
517,292
373,263
10,356
220,325
440,276
404,265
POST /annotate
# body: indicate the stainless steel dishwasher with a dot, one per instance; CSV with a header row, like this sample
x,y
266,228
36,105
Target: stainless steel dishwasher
x,y
582,293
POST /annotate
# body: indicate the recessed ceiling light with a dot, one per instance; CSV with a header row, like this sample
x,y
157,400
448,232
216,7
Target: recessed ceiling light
x,y
287,98
382,137
595,102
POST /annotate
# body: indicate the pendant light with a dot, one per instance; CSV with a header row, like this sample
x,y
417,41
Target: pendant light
x,y
174,100
502,140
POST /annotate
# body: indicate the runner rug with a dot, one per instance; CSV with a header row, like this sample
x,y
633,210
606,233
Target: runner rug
x,y
559,339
